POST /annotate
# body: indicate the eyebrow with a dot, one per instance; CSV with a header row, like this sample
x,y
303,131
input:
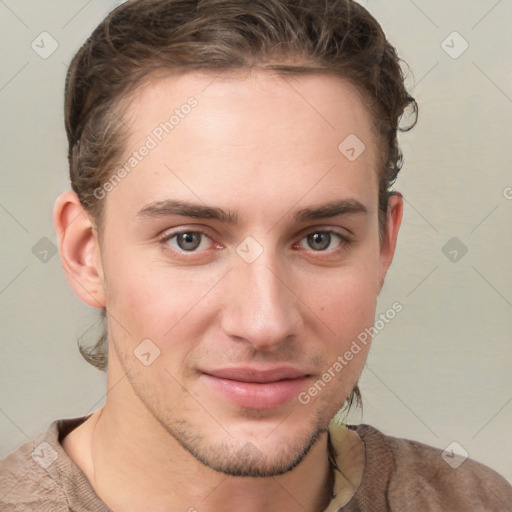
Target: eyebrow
x,y
187,209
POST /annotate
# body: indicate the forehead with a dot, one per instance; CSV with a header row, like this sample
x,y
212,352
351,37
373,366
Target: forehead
x,y
266,135
326,102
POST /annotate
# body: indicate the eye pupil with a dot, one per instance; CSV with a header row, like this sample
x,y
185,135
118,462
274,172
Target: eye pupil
x,y
319,241
189,241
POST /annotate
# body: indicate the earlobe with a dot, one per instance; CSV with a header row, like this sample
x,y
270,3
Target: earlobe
x,y
79,249
388,243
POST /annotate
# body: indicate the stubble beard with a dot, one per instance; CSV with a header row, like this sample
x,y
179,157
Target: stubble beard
x,y
239,457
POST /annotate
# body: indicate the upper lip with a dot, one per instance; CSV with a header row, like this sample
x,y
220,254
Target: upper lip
x,y
245,374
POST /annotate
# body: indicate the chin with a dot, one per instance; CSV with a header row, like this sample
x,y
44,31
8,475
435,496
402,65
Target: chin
x,y
248,453
250,461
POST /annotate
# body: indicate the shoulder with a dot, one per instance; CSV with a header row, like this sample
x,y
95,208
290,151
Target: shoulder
x,y
421,477
25,483
33,477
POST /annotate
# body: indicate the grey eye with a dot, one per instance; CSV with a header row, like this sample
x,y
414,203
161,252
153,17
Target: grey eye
x,y
188,241
319,241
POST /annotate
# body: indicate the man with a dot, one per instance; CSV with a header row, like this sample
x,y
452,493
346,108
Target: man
x,y
231,215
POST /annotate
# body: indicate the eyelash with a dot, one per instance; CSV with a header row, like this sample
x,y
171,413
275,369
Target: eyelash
x,y
344,241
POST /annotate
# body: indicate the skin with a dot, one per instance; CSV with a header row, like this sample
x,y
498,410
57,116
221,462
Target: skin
x,y
166,439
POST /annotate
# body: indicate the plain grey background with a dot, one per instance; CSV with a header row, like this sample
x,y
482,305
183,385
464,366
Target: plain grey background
x,y
440,372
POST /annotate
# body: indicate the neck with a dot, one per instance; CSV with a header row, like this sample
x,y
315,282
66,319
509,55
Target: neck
x,y
134,469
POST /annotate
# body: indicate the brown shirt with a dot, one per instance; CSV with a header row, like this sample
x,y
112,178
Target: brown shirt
x,y
399,475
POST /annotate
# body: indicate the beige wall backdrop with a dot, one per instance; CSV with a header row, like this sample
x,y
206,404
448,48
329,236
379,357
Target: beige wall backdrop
x,y
439,372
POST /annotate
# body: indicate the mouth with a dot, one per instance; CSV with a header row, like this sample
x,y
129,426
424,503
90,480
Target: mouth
x,y
257,388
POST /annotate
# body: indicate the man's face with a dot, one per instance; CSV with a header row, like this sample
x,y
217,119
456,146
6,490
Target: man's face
x,y
264,277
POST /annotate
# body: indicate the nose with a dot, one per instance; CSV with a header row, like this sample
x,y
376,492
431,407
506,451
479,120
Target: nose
x,y
261,307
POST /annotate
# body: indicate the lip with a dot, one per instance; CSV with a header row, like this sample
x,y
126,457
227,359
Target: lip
x,y
257,388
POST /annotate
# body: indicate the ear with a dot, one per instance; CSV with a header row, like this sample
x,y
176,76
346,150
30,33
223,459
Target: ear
x,y
390,235
79,249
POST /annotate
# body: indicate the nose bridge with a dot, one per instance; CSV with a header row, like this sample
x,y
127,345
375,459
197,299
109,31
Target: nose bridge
x,y
262,309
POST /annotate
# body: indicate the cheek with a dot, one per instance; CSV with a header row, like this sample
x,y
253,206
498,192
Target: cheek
x,y
347,298
349,315
150,299
348,307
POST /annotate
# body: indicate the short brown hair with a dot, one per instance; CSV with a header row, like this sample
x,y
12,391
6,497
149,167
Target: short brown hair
x,y
336,37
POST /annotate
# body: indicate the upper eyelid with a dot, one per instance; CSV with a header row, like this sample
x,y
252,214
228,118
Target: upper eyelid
x,y
304,232
177,231
344,238
203,228
344,233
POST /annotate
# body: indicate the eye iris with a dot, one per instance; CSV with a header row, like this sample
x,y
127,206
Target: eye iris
x,y
319,241
188,241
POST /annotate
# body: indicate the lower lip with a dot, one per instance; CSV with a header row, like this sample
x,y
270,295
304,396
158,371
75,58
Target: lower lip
x,y
254,395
